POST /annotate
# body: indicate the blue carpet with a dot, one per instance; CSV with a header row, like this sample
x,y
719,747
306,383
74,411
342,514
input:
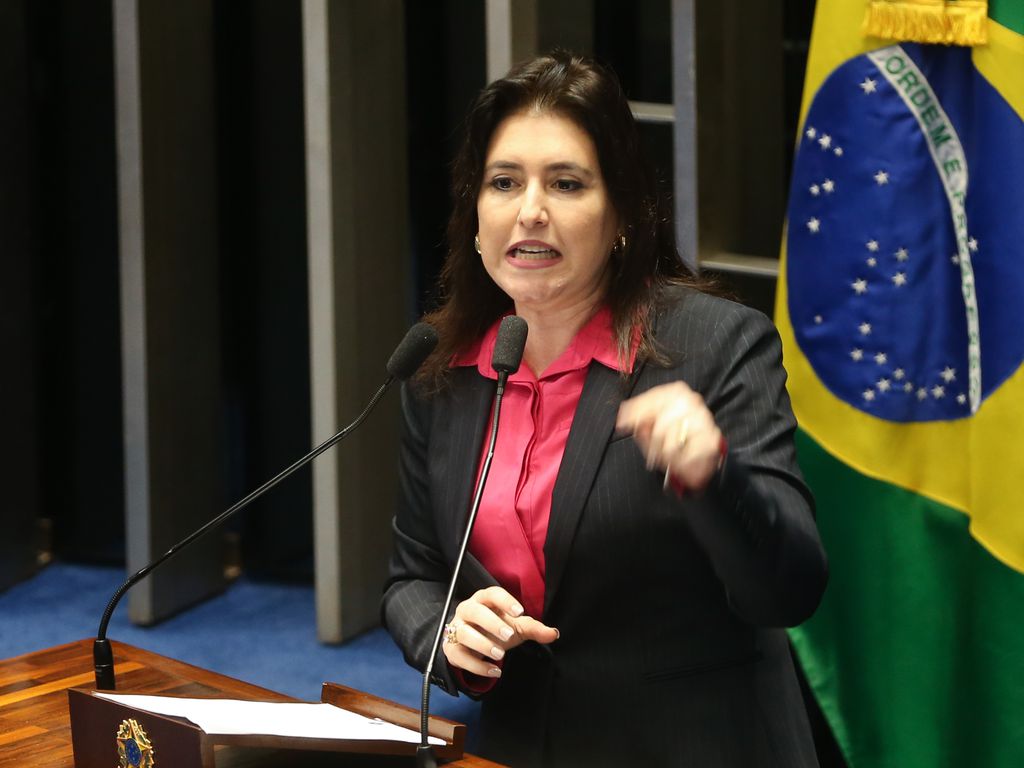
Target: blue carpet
x,y
258,632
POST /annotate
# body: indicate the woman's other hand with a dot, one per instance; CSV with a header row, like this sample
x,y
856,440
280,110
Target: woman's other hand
x,y
485,627
676,433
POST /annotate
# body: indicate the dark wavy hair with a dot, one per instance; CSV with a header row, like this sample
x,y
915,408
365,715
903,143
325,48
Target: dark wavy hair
x,y
590,95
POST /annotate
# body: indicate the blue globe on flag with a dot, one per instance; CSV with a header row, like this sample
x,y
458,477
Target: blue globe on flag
x,y
900,318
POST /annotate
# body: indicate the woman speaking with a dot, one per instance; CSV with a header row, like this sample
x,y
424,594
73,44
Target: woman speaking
x,y
644,533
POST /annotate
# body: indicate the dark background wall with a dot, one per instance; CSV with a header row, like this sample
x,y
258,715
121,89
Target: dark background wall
x,y
19,329
258,60
60,316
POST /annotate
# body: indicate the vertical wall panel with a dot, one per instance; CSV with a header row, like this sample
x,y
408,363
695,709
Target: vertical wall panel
x,y
358,253
169,274
684,129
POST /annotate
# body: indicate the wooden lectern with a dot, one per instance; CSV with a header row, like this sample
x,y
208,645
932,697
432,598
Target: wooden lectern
x,y
49,717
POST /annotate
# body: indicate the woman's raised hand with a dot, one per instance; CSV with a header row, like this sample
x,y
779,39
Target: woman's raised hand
x,y
676,433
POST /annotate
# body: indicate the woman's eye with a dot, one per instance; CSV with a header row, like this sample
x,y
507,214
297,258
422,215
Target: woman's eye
x,y
503,183
567,185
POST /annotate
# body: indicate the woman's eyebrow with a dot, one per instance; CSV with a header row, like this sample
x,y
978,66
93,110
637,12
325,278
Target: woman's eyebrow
x,y
570,167
502,165
508,165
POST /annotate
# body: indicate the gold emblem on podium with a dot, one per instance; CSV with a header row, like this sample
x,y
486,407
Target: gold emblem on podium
x,y
133,746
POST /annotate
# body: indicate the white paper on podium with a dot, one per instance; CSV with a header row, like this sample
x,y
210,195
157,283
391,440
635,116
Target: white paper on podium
x,y
271,718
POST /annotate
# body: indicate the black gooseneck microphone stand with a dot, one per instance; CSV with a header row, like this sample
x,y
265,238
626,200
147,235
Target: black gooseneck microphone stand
x,y
418,343
508,353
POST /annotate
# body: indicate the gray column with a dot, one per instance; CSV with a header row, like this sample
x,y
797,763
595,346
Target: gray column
x,y
169,304
684,129
512,33
357,200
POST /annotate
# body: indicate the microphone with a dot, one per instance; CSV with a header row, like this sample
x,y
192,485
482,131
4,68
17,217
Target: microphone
x,y
417,345
505,360
509,346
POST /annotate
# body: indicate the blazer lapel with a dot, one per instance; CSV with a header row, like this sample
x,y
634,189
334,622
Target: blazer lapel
x,y
591,430
465,425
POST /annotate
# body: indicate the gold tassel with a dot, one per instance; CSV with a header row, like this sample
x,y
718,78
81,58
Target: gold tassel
x,y
951,22
968,23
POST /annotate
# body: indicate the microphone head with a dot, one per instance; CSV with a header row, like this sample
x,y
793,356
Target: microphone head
x,y
508,349
409,355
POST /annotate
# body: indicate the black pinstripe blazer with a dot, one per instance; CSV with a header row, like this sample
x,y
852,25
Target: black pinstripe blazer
x,y
669,610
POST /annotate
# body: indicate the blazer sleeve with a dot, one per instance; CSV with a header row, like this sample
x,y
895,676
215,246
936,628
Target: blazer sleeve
x,y
418,573
755,521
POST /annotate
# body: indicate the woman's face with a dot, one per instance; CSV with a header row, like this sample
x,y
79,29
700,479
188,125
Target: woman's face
x,y
547,225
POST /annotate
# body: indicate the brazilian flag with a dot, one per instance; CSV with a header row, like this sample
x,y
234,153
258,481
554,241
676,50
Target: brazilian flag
x,y
901,307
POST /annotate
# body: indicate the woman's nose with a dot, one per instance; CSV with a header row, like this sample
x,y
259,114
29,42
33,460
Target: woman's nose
x,y
533,211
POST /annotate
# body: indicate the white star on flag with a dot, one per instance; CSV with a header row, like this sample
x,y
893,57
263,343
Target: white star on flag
x,y
938,391
948,374
814,225
908,387
872,245
871,261
869,394
815,190
811,133
838,151
857,355
902,254
898,374
972,244
881,358
899,279
818,319
825,141
868,86
828,185
961,398
922,393
860,285
882,177
864,328
883,385
955,258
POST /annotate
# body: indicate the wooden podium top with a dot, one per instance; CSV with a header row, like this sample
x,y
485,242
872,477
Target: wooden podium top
x,y
35,728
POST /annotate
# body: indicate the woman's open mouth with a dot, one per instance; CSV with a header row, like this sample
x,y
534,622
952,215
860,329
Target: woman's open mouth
x,y
531,252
